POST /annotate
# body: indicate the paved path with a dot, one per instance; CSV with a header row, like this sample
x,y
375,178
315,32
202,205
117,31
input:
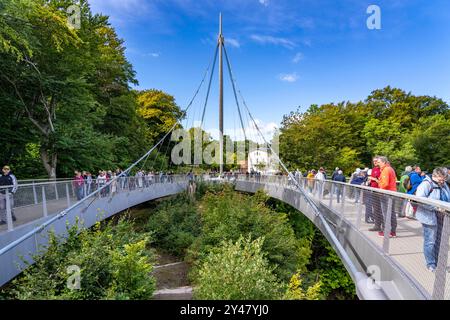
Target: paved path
x,y
406,249
171,279
27,214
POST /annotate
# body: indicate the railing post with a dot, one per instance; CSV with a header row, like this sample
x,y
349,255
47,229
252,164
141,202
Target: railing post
x,y
44,203
35,194
440,279
56,191
387,222
9,220
67,195
330,203
343,199
359,208
322,189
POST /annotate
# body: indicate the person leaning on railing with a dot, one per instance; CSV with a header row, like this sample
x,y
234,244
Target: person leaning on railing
x,y
78,185
387,181
372,199
432,219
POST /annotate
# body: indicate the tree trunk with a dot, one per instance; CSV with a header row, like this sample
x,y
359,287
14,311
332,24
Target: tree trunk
x,y
49,162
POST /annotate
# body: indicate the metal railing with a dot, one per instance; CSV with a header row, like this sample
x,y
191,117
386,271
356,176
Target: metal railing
x,y
37,200
364,207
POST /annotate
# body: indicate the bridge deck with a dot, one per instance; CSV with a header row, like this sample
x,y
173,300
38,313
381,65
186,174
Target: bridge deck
x,y
30,213
406,249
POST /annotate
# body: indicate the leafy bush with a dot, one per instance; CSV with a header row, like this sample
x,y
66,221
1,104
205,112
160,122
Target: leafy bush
x,y
237,271
228,215
112,259
131,273
336,282
175,224
296,291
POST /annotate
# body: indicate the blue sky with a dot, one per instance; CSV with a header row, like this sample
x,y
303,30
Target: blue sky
x,y
285,54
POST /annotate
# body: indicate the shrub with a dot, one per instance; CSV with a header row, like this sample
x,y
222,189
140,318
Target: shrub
x,y
336,282
130,274
296,291
229,215
237,271
175,225
112,259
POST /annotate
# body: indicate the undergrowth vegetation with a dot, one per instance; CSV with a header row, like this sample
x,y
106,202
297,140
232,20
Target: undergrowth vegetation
x,y
238,246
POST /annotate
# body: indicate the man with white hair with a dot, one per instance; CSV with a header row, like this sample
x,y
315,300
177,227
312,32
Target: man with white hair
x,y
387,181
340,178
431,219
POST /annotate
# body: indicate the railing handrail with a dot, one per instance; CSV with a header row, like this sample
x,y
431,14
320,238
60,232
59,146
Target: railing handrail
x,y
405,196
53,182
64,213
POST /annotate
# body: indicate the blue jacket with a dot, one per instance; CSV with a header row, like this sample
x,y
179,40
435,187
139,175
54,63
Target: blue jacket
x,y
339,177
426,214
415,180
359,180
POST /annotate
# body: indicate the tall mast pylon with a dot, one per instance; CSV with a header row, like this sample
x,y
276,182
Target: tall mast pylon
x,y
221,42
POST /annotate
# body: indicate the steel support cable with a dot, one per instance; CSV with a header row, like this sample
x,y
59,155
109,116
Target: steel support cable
x,y
63,213
211,66
209,85
360,279
234,89
212,63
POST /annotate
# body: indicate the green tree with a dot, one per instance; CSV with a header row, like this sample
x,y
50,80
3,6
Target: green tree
x,y
430,140
237,271
159,111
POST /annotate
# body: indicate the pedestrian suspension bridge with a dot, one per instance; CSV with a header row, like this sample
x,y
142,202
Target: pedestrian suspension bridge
x,y
381,267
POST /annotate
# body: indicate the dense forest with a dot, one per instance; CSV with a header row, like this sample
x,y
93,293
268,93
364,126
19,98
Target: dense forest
x,y
65,93
408,129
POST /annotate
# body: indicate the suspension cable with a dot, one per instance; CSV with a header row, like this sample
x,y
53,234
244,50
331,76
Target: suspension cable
x,y
234,90
209,85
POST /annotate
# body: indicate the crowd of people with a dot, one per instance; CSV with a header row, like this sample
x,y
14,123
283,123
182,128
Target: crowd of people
x,y
413,181
85,183
381,175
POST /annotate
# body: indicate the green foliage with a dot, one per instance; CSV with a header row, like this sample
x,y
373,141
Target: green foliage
x,y
389,122
296,291
159,111
112,258
237,271
317,261
66,91
336,283
131,273
228,216
175,224
430,140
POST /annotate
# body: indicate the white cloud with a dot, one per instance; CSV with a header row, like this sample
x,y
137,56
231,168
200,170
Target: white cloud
x,y
273,40
298,57
288,77
232,42
265,3
153,54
